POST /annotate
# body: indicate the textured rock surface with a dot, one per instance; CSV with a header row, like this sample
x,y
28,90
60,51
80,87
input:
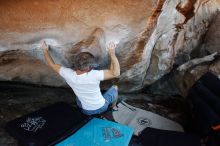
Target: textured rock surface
x,y
177,35
181,79
68,26
152,36
211,41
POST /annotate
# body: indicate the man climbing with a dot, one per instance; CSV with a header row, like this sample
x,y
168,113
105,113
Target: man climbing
x,y
84,80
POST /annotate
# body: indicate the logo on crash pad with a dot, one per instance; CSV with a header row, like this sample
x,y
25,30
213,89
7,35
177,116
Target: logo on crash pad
x,y
109,133
33,124
144,121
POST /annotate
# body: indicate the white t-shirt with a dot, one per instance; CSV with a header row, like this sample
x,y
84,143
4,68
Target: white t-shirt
x,y
85,86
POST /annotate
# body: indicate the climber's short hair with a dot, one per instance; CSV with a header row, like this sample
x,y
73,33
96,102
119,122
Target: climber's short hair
x,y
84,61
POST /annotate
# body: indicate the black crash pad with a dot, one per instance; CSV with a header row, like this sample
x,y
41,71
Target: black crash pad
x,y
212,82
156,137
47,126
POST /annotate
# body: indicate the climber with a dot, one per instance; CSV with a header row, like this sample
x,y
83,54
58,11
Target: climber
x,y
84,80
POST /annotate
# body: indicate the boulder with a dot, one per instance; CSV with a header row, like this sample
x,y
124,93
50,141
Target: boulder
x,y
152,37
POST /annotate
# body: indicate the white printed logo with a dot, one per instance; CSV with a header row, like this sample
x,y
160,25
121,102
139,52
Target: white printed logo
x,y
33,124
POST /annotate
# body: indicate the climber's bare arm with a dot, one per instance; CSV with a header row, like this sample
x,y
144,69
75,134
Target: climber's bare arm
x,y
48,58
114,70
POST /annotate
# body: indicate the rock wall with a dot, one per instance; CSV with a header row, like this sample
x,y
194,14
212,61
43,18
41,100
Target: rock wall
x,y
182,78
152,37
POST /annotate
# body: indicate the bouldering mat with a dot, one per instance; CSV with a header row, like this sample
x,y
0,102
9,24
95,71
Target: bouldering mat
x,y
98,132
140,119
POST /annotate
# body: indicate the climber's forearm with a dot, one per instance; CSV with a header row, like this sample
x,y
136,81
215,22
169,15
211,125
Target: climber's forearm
x,y
114,70
50,61
115,66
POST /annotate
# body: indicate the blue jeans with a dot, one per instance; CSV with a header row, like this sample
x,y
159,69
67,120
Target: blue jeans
x,y
110,96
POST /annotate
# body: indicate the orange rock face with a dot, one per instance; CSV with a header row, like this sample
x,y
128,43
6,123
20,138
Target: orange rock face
x,y
152,36
23,16
67,26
